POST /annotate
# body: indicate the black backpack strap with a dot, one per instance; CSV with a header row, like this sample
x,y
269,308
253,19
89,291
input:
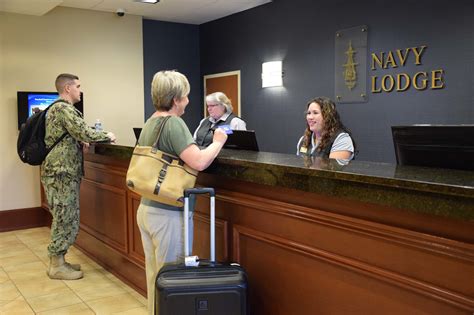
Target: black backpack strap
x,y
59,100
59,140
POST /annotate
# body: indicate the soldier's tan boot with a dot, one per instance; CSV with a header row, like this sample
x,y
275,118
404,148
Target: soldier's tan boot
x,y
58,269
76,267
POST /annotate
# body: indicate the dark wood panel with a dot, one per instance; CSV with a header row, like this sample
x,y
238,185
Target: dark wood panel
x,y
324,283
437,226
135,240
306,253
26,218
109,176
112,260
392,248
104,160
201,241
104,213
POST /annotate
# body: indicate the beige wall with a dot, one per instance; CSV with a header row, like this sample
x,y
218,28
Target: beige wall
x,y
105,51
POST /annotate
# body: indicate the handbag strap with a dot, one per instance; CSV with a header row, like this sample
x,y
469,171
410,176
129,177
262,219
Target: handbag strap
x,y
165,156
160,129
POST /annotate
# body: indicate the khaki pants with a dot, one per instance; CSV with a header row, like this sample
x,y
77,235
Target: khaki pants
x,y
162,233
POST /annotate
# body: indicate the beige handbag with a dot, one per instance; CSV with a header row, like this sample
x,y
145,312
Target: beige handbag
x,y
159,176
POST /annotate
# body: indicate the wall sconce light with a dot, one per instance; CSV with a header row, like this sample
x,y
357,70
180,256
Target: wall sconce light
x,y
272,74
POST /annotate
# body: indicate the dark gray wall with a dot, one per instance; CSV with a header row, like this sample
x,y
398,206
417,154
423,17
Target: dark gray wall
x,y
301,33
168,46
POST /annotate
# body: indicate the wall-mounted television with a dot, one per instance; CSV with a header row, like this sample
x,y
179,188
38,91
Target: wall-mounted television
x,y
31,102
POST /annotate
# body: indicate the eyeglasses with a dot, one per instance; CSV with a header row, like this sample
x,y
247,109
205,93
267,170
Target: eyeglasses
x,y
212,105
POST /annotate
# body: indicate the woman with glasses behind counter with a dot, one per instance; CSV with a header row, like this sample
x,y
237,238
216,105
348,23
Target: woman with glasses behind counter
x,y
220,112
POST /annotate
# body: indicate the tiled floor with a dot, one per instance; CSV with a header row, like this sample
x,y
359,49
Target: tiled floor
x,y
26,289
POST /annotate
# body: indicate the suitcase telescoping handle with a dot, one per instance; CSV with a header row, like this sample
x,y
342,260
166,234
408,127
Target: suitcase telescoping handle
x,y
199,191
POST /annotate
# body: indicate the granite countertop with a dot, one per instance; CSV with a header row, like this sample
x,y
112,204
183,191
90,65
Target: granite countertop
x,y
450,182
442,192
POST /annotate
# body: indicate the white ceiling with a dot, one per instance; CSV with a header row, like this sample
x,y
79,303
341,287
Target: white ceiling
x,y
180,11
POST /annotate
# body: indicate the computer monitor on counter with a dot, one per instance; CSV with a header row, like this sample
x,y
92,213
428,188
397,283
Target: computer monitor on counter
x,y
442,146
242,140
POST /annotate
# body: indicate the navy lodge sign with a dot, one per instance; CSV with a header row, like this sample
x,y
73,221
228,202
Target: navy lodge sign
x,y
400,82
351,65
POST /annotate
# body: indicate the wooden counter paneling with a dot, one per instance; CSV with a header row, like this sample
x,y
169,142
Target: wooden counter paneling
x,y
313,254
305,253
292,278
134,238
201,243
108,228
104,213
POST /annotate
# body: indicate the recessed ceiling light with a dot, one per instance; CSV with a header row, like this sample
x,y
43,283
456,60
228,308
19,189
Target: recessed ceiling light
x,y
148,1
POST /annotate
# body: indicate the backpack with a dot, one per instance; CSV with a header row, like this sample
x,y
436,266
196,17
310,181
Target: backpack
x,y
30,145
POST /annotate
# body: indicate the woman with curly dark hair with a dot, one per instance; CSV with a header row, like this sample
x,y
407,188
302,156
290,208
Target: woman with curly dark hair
x,y
325,135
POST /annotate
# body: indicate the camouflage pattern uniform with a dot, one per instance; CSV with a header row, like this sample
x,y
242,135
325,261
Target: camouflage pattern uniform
x,y
62,170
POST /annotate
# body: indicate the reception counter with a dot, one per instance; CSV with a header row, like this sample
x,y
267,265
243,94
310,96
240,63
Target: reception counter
x,y
315,237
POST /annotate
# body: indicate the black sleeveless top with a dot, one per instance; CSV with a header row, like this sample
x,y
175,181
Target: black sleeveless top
x,y
205,132
323,153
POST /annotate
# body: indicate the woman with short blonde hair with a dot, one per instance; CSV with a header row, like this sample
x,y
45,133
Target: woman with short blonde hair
x,y
161,225
167,85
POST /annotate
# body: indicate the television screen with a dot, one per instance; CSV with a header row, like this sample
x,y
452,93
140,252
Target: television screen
x,y
39,102
32,102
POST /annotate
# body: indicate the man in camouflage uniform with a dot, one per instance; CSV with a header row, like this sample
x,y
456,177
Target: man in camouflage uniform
x,y
62,170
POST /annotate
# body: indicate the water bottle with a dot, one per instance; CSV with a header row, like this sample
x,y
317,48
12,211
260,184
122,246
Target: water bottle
x,y
98,125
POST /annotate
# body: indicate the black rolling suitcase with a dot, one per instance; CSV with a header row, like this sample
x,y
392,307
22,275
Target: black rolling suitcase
x,y
208,289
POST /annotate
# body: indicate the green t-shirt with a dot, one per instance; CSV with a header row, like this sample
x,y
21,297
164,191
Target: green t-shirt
x,y
174,138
